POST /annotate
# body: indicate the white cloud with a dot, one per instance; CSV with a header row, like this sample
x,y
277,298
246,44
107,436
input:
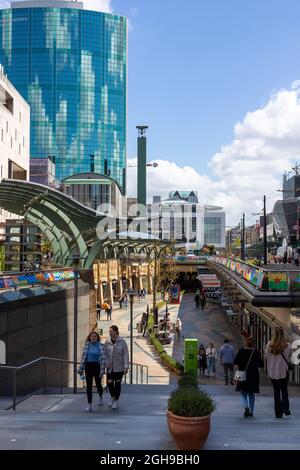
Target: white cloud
x,y
97,5
266,143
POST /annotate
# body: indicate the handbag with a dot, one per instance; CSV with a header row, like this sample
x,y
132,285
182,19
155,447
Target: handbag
x,y
240,375
289,365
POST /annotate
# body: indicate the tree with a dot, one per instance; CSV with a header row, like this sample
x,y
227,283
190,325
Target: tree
x,y
168,272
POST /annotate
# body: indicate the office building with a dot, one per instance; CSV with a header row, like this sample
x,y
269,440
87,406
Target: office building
x,y
182,218
14,137
70,65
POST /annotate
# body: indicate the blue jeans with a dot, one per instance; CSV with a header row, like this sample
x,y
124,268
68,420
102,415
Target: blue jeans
x,y
248,400
211,365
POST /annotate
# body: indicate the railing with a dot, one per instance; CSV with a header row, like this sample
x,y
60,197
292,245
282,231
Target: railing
x,y
141,373
140,376
266,280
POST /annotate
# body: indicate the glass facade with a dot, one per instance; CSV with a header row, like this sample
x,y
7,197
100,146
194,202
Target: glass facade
x,y
212,230
70,65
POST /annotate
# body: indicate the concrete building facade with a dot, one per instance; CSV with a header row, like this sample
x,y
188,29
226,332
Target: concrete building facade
x,y
14,135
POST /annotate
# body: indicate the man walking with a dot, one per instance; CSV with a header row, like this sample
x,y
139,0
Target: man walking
x,y
227,355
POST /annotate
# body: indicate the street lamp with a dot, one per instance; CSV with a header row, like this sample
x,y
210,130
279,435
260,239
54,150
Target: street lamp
x,y
131,300
76,260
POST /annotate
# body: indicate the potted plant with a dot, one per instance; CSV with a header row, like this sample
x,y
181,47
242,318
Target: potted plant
x,y
189,410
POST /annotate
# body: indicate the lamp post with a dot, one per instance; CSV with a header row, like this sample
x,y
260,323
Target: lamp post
x,y
265,234
76,260
131,300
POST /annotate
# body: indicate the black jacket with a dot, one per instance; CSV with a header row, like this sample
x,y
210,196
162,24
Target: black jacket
x,y
252,374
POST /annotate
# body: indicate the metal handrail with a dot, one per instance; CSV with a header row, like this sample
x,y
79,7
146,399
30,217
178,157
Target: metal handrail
x,y
16,369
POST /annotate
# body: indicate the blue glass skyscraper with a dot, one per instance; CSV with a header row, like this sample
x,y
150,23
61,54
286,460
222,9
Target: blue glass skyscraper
x,y
70,64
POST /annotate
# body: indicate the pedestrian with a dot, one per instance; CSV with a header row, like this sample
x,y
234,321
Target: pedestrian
x,y
125,300
93,363
285,257
296,258
108,313
248,360
212,356
178,327
98,310
202,361
227,355
117,364
121,300
202,299
197,300
277,353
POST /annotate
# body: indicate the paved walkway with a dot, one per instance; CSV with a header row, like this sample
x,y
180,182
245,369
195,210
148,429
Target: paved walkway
x,y
61,422
208,326
143,352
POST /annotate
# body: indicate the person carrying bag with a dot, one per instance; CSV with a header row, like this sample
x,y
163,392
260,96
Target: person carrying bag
x,y
248,360
277,353
240,375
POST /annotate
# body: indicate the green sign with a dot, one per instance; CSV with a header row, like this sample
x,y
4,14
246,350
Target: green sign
x,y
191,356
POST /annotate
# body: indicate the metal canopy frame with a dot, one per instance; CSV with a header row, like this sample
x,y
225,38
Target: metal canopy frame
x,y
69,225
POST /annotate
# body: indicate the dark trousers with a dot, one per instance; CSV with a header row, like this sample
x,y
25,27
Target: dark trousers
x,y
114,384
281,398
92,369
228,367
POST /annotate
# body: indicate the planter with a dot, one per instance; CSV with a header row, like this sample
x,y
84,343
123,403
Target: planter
x,y
189,433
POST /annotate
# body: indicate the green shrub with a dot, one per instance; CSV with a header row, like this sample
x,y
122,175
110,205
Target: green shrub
x,y
158,346
188,380
191,402
166,359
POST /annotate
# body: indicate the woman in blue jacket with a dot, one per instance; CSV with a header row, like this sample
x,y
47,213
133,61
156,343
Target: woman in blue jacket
x,y
93,362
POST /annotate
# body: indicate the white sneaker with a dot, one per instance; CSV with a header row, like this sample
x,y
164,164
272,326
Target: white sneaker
x,y
100,402
89,408
111,401
115,405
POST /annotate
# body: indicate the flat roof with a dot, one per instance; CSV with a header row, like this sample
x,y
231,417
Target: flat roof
x,y
47,4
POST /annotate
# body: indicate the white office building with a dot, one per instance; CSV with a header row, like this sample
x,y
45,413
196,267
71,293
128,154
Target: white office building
x,y
182,218
14,136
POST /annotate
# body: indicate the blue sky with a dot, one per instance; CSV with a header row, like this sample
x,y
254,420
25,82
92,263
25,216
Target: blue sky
x,y
218,84
197,67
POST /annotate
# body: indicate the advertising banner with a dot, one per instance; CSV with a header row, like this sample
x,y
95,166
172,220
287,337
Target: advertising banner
x,y
175,294
28,279
277,281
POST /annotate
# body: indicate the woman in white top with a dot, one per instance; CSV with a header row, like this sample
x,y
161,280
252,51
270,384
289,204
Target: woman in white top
x,y
277,354
211,356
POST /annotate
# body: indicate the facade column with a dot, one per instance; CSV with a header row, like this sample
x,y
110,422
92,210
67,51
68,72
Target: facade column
x,y
130,276
100,294
109,282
